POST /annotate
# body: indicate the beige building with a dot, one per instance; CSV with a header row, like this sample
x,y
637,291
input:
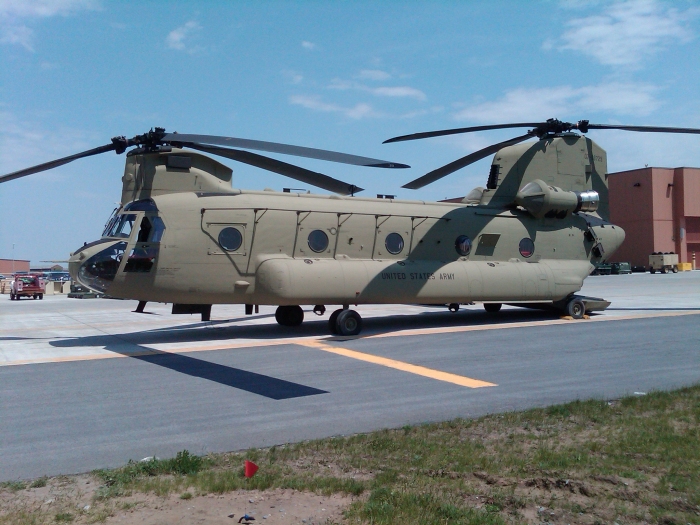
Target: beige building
x,y
659,209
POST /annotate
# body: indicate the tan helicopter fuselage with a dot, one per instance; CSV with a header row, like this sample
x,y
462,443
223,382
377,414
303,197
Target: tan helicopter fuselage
x,y
377,250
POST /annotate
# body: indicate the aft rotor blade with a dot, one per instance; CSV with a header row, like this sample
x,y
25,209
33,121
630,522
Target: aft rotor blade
x,y
295,172
439,173
286,149
649,129
455,131
55,163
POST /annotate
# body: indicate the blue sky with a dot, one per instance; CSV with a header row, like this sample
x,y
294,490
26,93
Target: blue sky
x,y
341,75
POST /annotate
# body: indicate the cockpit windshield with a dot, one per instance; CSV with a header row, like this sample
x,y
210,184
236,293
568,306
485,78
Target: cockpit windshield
x,y
120,226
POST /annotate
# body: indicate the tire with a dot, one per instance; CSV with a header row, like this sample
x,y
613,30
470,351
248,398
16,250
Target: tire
x,y
41,296
289,315
651,270
492,308
576,308
349,322
333,321
664,270
675,269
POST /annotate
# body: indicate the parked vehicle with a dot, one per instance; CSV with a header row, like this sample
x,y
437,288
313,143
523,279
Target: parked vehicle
x,y
663,262
619,268
602,269
27,285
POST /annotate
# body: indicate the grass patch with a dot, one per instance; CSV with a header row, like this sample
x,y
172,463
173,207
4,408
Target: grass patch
x,y
38,483
13,486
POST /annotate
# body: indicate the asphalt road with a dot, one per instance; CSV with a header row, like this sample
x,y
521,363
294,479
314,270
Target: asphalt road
x,y
90,384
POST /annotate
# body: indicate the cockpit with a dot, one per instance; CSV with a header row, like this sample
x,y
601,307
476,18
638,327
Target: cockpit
x,y
136,226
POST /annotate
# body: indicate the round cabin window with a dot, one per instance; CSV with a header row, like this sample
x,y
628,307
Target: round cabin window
x,y
230,239
394,243
318,241
527,247
463,245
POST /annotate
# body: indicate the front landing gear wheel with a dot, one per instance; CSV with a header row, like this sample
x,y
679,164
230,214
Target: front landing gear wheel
x,y
492,308
576,308
333,321
349,322
289,315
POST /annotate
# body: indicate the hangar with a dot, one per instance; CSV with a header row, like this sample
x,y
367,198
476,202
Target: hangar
x,y
659,209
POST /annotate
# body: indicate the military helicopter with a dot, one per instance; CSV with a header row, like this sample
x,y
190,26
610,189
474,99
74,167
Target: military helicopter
x,y
184,235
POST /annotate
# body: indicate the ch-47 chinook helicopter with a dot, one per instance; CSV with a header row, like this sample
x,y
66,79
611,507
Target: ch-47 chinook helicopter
x,y
183,235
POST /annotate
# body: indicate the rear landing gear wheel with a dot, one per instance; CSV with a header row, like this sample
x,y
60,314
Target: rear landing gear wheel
x,y
492,308
576,308
333,321
289,315
349,322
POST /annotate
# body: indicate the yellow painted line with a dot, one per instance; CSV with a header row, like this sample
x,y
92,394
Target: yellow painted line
x,y
399,365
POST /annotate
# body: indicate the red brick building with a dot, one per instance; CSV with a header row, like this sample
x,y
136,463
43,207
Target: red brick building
x,y
7,265
659,209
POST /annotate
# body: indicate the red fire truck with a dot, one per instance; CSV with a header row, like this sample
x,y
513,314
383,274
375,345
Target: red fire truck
x,y
27,285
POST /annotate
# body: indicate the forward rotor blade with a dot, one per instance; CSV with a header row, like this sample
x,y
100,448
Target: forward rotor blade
x,y
439,173
55,163
286,149
455,131
295,172
649,129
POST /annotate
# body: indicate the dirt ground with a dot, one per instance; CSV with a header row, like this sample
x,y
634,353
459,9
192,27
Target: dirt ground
x,y
70,500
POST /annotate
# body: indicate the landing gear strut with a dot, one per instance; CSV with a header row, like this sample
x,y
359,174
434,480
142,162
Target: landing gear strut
x,y
289,315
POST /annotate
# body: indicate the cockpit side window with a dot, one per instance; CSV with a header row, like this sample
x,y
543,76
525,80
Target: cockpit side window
x,y
121,226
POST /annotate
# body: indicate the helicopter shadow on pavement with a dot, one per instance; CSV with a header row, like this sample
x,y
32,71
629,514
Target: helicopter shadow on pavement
x,y
260,384
213,331
255,383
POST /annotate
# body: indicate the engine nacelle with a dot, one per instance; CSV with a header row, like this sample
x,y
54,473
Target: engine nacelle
x,y
543,200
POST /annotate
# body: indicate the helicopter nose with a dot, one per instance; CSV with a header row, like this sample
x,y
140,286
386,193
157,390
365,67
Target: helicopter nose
x,y
95,265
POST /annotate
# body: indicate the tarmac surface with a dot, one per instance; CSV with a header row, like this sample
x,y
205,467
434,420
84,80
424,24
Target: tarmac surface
x,y
88,384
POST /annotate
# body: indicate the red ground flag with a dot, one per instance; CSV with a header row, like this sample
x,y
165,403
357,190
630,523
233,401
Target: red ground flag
x,y
250,469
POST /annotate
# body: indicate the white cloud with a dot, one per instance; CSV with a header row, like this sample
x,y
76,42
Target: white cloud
x,y
16,14
308,45
177,38
44,8
383,91
357,112
292,77
373,74
541,103
399,91
19,35
627,32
